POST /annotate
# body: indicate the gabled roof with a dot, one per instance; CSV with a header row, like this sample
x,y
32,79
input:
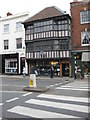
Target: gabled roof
x,y
46,13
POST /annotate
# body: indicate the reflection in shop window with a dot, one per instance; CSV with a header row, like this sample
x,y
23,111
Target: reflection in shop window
x,y
11,66
85,38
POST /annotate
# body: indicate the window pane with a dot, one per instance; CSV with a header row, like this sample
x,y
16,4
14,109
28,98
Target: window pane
x,y
85,16
6,46
6,28
18,26
19,43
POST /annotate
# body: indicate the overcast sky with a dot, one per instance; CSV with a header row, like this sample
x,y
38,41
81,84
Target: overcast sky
x,y
32,6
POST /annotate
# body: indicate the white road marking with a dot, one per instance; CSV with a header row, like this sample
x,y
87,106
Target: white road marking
x,y
66,106
12,85
1,104
36,113
81,87
57,84
12,92
11,100
27,94
54,84
51,85
66,98
61,88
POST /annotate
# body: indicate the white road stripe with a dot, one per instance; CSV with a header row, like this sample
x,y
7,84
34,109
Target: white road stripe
x,y
57,84
36,113
51,85
27,94
66,98
81,87
11,100
1,104
12,85
66,106
61,88
12,92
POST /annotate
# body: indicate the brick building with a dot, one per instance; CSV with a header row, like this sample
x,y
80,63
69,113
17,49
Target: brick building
x,y
80,12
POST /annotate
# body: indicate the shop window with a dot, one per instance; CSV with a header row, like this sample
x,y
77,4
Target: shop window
x,y
85,38
11,65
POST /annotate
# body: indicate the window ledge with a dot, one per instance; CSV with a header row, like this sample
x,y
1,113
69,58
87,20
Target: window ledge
x,y
85,44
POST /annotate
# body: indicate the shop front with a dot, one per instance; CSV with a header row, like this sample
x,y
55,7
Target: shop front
x,y
43,67
81,60
86,63
10,63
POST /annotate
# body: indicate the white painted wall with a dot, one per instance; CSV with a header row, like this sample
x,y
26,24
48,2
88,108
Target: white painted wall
x,y
13,34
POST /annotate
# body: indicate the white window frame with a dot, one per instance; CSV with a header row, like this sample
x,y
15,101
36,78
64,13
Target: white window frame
x,y
6,28
85,15
18,26
6,44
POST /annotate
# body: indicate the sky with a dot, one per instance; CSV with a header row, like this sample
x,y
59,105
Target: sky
x,y
31,6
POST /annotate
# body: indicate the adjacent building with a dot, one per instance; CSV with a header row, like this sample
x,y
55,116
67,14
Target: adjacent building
x,y
80,12
12,43
48,42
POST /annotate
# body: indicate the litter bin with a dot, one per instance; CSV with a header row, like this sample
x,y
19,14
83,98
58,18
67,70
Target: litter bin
x,y
32,80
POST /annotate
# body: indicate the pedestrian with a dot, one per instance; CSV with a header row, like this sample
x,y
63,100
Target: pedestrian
x,y
36,73
79,72
52,72
75,75
24,72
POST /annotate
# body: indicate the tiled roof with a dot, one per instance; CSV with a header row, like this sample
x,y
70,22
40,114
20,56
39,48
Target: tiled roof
x,y
46,13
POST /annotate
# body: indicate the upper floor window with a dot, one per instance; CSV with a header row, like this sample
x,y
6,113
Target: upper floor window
x,y
6,28
85,16
18,43
6,44
18,26
85,38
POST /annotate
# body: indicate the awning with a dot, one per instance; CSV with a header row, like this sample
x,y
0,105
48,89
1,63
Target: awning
x,y
86,56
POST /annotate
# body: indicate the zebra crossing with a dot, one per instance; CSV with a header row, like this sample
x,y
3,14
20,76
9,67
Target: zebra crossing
x,y
54,106
75,87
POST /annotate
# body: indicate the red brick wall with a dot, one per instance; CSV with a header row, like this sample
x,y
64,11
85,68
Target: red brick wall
x,y
77,27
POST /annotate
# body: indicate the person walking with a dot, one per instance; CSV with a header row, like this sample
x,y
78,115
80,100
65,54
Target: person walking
x,y
51,72
75,75
24,72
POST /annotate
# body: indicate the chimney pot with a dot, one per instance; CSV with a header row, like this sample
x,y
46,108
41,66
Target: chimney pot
x,y
8,14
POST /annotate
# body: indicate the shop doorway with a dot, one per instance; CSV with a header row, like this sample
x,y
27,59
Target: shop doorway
x,y
65,69
22,61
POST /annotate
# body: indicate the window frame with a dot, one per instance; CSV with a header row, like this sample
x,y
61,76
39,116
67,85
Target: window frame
x,y
18,26
6,45
18,46
6,28
84,16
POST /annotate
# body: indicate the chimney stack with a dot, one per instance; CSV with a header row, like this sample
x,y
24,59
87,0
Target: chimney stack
x,y
8,14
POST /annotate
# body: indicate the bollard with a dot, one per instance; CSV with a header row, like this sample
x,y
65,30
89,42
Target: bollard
x,y
32,82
